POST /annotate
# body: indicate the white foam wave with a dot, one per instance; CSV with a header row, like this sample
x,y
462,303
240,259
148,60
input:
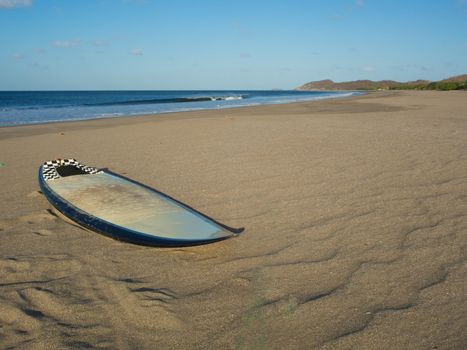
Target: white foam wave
x,y
226,98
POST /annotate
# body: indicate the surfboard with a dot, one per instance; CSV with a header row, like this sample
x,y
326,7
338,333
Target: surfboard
x,y
124,209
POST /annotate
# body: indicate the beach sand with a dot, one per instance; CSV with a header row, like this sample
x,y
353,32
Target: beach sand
x,y
355,216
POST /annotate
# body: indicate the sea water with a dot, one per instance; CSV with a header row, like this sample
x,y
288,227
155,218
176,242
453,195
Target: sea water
x,y
37,107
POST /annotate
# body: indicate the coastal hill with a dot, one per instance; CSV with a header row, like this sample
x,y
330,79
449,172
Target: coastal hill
x,y
458,82
456,79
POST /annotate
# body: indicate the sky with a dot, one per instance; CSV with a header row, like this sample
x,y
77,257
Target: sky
x,y
235,44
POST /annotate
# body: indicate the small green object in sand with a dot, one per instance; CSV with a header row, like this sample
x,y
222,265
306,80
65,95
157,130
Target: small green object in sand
x,y
2,165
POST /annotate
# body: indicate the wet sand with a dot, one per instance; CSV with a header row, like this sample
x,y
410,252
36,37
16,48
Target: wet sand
x,y
355,216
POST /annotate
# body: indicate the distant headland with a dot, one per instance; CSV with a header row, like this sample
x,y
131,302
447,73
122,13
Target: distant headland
x,y
458,82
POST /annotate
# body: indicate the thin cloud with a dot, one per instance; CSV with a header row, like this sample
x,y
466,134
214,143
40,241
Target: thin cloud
x,y
138,2
336,17
9,4
243,30
245,55
136,52
18,56
418,67
100,43
369,69
64,44
360,3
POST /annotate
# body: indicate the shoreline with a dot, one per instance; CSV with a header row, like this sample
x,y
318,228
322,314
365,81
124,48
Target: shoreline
x,y
357,93
8,131
355,229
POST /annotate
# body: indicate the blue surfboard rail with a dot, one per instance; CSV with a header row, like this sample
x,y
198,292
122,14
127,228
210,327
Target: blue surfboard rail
x,y
122,233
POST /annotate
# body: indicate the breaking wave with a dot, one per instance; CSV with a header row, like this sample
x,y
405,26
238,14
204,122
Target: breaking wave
x,y
169,100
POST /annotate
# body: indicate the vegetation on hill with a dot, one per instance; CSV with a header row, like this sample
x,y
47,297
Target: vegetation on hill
x,y
436,85
453,83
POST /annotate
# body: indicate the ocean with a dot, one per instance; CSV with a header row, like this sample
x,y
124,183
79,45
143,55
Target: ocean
x,y
38,107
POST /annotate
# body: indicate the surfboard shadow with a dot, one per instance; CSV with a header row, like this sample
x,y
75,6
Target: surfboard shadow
x,y
228,228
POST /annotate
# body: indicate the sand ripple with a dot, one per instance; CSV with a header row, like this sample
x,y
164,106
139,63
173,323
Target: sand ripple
x,y
356,232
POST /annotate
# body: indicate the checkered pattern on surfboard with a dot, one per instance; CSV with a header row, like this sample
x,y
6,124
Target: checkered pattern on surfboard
x,y
49,168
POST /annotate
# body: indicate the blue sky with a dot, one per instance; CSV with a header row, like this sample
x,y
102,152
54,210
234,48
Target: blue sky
x,y
255,44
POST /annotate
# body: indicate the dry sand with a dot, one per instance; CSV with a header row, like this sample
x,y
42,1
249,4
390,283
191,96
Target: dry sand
x,y
356,230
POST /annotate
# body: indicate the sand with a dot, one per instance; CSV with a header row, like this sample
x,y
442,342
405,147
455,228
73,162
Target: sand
x,y
355,216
